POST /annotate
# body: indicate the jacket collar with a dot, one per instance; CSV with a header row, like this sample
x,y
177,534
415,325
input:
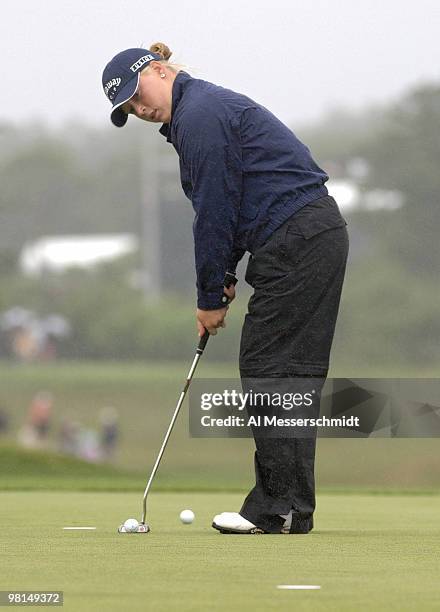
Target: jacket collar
x,y
179,83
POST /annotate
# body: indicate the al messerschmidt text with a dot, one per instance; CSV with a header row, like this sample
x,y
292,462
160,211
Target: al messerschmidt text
x,y
270,421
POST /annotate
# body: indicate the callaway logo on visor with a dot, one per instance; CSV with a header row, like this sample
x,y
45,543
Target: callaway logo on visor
x,y
111,88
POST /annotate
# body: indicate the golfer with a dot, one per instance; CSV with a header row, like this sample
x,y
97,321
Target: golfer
x,y
254,188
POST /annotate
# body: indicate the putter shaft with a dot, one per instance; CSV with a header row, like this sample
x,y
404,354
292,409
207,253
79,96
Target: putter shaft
x,y
199,353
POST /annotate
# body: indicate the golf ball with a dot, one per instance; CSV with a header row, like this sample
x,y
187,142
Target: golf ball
x,y
187,517
131,525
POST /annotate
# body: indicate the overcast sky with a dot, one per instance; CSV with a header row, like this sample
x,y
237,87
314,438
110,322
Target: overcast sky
x,y
297,58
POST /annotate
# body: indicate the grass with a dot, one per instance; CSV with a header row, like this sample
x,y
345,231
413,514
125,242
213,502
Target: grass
x,y
42,470
30,470
366,553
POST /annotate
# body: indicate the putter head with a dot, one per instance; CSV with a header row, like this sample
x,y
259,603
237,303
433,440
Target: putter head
x,y
141,528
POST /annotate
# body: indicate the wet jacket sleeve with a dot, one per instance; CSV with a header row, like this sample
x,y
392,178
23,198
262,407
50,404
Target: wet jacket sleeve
x,y
213,155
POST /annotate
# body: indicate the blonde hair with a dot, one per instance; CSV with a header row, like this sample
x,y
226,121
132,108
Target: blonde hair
x,y
166,53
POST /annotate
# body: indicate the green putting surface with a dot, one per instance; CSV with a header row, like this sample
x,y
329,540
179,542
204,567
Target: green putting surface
x,y
367,552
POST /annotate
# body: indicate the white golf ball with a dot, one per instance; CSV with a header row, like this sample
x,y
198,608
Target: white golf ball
x,y
131,525
187,517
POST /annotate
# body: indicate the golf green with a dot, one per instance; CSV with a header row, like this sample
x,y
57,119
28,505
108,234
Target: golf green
x,y
367,552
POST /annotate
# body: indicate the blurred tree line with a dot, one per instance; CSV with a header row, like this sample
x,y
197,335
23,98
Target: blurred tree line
x,y
83,180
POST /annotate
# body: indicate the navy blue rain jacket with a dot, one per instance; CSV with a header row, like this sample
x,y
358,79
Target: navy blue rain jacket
x,y
244,171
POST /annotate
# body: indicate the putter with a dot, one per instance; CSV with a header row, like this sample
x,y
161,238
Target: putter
x,y
143,527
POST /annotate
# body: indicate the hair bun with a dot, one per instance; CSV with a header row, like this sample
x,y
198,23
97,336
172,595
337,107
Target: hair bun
x,y
161,49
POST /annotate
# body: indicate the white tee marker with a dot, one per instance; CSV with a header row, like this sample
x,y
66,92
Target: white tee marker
x,y
74,528
298,587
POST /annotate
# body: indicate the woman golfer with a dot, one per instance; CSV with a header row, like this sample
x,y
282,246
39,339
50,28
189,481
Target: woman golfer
x,y
254,188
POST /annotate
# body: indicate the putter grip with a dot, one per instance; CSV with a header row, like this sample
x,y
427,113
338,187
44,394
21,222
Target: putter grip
x,y
230,279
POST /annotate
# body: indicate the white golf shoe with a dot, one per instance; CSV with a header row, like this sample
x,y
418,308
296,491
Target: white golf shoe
x,y
233,522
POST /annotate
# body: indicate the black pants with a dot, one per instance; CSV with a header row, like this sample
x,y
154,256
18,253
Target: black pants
x,y
297,277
